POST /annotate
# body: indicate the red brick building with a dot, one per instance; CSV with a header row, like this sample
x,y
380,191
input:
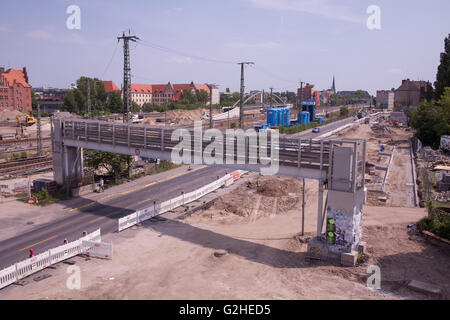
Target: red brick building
x,y
161,93
308,93
15,91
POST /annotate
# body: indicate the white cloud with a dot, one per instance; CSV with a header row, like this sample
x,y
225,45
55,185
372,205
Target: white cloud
x,y
179,60
316,7
261,45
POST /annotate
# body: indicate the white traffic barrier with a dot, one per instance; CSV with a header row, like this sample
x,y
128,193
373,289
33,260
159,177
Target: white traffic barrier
x,y
146,214
32,265
163,207
8,276
128,221
41,261
93,236
65,251
98,249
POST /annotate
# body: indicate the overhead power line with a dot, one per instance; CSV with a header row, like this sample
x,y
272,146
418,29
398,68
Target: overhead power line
x,y
181,53
273,76
110,60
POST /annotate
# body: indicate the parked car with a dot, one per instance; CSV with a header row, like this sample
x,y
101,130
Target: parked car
x,y
316,130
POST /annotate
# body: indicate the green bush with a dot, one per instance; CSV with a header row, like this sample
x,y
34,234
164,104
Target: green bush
x,y
437,222
343,111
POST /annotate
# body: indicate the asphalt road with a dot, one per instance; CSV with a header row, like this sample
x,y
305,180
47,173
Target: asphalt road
x,y
90,215
308,134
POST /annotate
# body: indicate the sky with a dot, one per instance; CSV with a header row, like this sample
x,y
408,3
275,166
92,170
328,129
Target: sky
x,y
203,40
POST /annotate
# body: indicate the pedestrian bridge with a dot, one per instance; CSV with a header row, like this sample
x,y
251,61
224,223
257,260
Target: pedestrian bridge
x,y
338,163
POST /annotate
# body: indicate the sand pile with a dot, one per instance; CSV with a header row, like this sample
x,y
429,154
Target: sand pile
x,y
258,197
8,115
275,186
180,117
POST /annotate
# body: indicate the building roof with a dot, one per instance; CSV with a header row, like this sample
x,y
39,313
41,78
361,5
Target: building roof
x,y
141,88
110,86
17,76
408,85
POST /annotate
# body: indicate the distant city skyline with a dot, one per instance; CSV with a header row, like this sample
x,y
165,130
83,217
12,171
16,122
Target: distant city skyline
x,y
202,41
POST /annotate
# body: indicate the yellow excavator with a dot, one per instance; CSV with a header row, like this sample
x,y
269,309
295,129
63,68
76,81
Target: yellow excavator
x,y
25,120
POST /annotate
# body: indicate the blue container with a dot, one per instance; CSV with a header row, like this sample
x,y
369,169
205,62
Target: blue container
x,y
272,117
286,122
305,117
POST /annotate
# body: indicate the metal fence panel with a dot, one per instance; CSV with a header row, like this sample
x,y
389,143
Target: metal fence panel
x,y
93,236
33,264
98,249
8,276
65,251
128,221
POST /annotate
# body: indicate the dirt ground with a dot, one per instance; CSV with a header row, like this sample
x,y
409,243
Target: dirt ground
x,y
171,258
257,222
398,189
180,117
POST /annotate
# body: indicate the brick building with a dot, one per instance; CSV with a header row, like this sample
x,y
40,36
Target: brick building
x,y
162,93
409,94
15,91
308,93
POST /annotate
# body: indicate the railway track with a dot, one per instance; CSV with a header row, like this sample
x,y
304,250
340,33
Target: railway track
x,y
13,142
25,165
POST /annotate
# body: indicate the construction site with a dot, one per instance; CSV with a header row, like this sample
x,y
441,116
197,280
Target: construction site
x,y
244,151
249,239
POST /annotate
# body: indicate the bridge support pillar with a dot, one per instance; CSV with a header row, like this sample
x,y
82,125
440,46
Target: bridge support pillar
x,y
67,161
320,209
344,208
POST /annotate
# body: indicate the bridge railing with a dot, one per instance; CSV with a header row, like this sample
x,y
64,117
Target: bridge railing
x,y
291,152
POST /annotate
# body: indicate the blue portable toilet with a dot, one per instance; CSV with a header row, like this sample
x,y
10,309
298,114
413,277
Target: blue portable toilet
x,y
305,117
272,117
286,117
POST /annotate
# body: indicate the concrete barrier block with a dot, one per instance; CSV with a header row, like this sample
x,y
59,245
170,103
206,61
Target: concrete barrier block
x,y
349,259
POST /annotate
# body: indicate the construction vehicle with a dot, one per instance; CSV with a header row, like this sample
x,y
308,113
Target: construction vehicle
x,y
25,120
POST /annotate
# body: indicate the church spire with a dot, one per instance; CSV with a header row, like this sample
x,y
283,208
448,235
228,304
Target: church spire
x,y
333,86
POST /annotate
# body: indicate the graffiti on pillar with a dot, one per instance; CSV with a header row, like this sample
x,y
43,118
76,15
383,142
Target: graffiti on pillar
x,y
340,232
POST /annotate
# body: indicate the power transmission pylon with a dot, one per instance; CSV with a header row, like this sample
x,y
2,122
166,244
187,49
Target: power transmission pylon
x,y
126,74
271,97
38,131
210,86
241,102
88,99
301,96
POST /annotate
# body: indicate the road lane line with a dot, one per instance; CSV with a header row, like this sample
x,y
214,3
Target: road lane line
x,y
97,219
138,188
35,244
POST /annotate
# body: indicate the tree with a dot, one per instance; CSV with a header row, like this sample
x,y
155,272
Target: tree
x,y
115,102
429,92
202,96
112,162
432,120
443,72
75,100
188,97
134,107
343,111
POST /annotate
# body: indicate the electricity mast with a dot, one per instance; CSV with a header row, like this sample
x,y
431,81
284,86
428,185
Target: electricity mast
x,y
126,73
241,101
